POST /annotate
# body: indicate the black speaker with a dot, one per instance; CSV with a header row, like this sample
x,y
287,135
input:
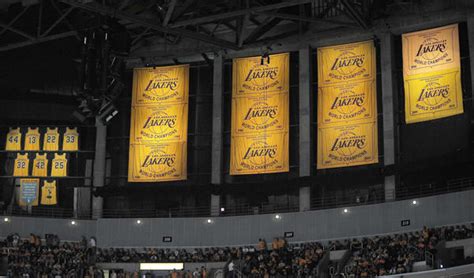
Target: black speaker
x,y
3,265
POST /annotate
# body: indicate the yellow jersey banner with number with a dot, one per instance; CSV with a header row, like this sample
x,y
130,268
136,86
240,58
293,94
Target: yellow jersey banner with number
x,y
159,124
255,75
346,63
40,165
71,139
347,145
260,115
28,192
13,140
432,74
259,154
32,139
347,105
48,193
21,167
157,162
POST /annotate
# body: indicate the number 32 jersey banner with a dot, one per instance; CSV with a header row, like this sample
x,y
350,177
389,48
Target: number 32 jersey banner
x,y
432,74
159,124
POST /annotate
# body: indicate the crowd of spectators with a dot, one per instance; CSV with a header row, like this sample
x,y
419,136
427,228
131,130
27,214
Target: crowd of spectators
x,y
395,254
370,257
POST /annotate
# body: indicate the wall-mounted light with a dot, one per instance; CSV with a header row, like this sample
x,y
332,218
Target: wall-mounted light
x,y
6,219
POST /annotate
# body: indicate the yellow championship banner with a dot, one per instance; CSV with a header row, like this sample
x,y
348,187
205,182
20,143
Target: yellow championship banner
x,y
347,103
432,74
259,154
160,85
255,75
346,63
433,96
348,145
256,114
260,115
157,162
428,50
159,124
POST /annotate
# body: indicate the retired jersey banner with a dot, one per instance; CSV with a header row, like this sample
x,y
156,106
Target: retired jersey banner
x,y
347,105
259,154
346,63
347,145
254,75
157,162
432,74
159,124
260,115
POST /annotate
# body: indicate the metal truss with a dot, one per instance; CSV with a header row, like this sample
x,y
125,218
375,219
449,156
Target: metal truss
x,y
218,23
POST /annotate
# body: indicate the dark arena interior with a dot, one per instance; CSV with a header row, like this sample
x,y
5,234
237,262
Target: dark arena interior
x,y
236,138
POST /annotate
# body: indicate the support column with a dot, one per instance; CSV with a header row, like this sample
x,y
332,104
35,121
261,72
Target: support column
x,y
215,204
389,101
470,34
99,166
304,124
217,128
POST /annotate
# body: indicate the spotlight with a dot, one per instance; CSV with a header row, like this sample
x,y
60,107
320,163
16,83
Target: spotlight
x,y
139,221
277,216
414,202
73,222
345,211
209,221
222,209
6,219
441,266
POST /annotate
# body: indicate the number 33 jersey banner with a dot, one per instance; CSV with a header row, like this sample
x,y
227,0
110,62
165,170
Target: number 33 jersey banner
x,y
159,124
432,74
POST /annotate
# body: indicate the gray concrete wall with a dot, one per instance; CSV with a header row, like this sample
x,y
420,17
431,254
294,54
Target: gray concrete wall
x,y
240,230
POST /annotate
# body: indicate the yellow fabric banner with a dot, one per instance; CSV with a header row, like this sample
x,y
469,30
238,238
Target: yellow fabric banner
x,y
160,85
347,103
432,74
159,124
254,75
167,122
157,162
346,63
433,49
259,154
347,145
260,115
433,96
256,114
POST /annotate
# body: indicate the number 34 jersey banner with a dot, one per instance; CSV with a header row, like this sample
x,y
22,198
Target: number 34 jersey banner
x,y
432,74
159,124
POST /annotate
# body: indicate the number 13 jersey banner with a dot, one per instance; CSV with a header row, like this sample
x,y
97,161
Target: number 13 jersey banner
x,y
159,124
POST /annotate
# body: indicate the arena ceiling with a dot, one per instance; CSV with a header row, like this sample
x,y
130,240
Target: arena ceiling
x,y
152,24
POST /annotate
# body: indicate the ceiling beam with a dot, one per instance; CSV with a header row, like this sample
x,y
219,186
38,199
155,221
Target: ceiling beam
x,y
263,28
14,20
169,12
308,19
19,32
238,13
179,12
97,8
57,22
36,41
355,14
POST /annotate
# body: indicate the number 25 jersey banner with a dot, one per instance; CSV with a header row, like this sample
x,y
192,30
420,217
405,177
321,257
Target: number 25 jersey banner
x,y
159,124
432,74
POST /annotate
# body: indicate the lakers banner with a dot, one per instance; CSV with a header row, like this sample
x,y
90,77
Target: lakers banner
x,y
346,63
160,85
159,124
260,115
346,102
432,74
433,96
256,114
428,50
259,154
157,162
257,75
347,105
348,145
